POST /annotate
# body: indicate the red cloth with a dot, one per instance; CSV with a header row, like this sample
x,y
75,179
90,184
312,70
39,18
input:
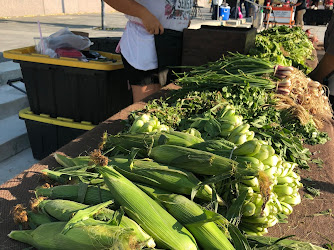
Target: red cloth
x,y
64,52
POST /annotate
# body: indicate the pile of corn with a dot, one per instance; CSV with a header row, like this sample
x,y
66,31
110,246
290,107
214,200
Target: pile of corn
x,y
271,191
164,189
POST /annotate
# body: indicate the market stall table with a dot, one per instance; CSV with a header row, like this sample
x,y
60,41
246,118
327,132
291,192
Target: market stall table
x,y
307,222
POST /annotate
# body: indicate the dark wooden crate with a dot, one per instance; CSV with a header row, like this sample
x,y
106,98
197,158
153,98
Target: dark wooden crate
x,y
209,43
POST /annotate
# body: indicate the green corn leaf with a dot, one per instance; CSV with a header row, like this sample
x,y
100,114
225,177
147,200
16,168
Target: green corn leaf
x,y
84,214
234,211
239,240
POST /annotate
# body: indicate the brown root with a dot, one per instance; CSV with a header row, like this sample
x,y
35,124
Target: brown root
x,y
307,100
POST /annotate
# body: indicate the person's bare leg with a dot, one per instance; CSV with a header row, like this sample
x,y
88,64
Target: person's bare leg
x,y
140,92
299,18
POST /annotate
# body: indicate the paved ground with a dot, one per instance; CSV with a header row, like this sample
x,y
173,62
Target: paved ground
x,y
20,32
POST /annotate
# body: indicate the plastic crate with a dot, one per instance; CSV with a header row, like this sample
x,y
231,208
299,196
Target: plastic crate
x,y
47,134
66,87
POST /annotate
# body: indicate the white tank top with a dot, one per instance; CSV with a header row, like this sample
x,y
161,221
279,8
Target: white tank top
x,y
137,45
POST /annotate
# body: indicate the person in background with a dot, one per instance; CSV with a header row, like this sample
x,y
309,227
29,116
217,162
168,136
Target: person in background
x,y
247,8
268,2
149,21
300,11
246,5
314,4
325,67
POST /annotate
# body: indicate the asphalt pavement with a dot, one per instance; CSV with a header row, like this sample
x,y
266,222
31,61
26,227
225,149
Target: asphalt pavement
x,y
20,32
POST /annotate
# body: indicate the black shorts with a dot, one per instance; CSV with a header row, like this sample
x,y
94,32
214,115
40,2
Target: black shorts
x,y
169,53
140,77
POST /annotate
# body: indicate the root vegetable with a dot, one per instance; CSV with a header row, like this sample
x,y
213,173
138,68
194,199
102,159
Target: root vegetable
x,y
284,72
283,91
313,84
285,83
280,76
284,68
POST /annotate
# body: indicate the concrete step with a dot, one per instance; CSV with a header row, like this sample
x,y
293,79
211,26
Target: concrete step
x,y
2,59
16,164
9,70
12,100
233,22
13,137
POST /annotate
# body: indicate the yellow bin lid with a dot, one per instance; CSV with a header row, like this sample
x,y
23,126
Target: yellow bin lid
x,y
27,114
29,54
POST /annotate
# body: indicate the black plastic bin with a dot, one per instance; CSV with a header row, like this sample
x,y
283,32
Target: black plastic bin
x,y
210,43
47,134
65,87
107,44
317,17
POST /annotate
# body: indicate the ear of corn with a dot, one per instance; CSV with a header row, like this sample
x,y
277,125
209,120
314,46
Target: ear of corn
x,y
145,141
155,174
67,162
125,142
214,145
49,236
193,160
64,210
98,237
126,222
56,176
81,192
36,219
188,139
24,236
156,221
187,212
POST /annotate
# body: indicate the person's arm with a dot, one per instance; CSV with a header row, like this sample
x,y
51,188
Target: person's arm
x,y
132,8
324,68
297,4
326,64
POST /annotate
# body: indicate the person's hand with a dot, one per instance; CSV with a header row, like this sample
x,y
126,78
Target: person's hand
x,y
152,25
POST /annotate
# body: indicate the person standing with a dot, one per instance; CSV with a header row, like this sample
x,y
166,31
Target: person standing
x,y
153,26
300,11
247,8
325,67
314,4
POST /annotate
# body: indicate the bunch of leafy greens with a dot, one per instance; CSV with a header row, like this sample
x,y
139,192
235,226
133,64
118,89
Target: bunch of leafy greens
x,y
285,46
243,81
257,108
